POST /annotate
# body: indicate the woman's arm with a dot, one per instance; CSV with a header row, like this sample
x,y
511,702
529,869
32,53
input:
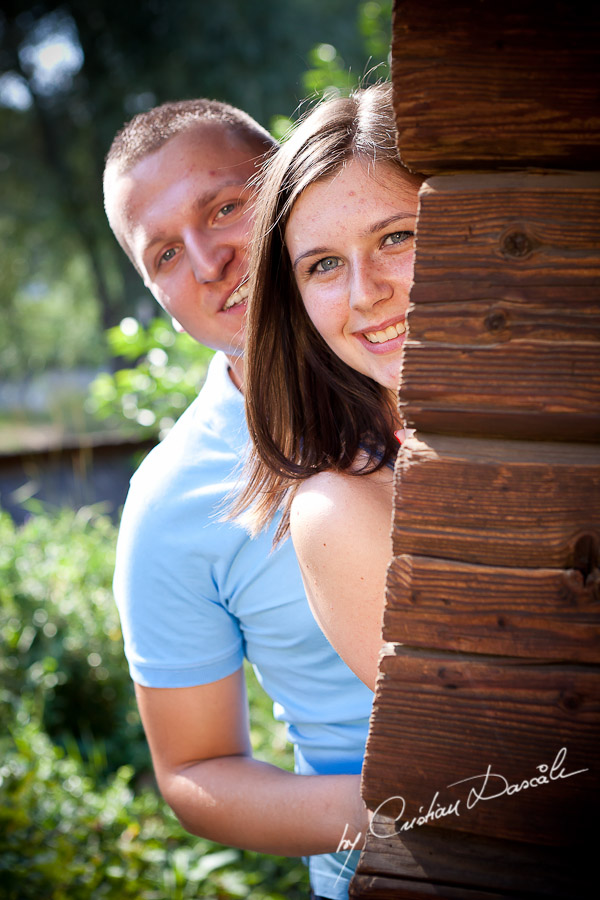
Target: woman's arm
x,y
341,529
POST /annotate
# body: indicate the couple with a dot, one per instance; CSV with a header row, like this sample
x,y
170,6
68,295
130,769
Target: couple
x,y
330,270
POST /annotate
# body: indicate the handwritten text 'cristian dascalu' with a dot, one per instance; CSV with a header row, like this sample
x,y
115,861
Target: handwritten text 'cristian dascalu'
x,y
487,786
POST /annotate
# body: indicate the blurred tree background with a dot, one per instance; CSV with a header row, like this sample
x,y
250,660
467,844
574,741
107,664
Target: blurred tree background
x,y
79,816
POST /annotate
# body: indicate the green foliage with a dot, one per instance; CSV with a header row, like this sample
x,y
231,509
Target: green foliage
x,y
64,837
50,315
375,25
60,639
76,822
170,369
329,74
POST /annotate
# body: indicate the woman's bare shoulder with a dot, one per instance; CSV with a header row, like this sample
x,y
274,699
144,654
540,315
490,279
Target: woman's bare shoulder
x,y
341,485
341,529
337,503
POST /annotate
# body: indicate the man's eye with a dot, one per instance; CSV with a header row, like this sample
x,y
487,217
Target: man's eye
x,y
327,264
226,210
398,237
167,256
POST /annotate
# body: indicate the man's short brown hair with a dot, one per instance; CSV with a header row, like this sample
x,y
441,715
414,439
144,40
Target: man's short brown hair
x,y
148,131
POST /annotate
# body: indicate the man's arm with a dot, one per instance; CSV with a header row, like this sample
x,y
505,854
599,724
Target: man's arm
x,y
201,752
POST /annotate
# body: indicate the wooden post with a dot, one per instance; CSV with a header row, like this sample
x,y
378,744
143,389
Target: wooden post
x,y
483,758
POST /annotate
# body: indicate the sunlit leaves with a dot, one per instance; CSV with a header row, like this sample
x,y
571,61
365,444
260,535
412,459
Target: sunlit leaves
x,y
374,20
170,369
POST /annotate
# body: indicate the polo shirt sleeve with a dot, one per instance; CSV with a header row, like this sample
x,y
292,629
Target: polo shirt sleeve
x,y
168,584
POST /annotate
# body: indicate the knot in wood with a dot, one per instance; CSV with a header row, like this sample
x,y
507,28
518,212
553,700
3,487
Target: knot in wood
x,y
586,554
495,321
570,701
516,244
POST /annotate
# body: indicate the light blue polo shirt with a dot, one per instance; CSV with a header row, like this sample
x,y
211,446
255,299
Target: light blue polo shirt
x,y
196,595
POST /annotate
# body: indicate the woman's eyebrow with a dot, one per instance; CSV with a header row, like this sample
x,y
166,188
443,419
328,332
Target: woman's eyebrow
x,y
385,223
315,251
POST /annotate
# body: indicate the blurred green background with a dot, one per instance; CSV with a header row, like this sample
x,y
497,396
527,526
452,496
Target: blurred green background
x,y
87,364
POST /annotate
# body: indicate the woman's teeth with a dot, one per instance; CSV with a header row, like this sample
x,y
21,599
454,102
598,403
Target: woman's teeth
x,y
388,334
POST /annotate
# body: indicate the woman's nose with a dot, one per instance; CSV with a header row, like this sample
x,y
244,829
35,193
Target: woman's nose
x,y
369,285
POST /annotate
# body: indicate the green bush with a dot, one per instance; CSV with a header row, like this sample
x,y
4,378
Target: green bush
x,y
75,822
63,837
60,638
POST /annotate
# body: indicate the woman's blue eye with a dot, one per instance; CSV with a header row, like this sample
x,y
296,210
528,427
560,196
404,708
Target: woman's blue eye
x,y
398,237
327,264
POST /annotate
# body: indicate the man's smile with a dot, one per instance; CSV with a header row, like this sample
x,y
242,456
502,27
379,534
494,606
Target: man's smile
x,y
240,295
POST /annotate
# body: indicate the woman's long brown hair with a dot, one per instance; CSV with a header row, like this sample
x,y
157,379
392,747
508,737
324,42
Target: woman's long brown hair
x,y
307,410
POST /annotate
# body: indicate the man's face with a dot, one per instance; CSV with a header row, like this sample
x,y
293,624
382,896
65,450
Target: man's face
x,y
184,214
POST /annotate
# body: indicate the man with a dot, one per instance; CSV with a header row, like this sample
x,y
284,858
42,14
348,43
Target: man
x,y
195,594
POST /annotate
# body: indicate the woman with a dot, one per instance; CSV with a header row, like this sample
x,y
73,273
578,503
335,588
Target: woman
x,y
332,268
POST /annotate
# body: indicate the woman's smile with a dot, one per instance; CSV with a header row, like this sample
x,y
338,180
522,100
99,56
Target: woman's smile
x,y
385,336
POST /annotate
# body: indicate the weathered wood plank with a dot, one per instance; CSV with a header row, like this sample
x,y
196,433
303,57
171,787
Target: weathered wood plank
x,y
543,613
520,391
497,320
521,229
399,889
514,85
499,503
441,858
521,425
444,718
581,299
526,364
503,340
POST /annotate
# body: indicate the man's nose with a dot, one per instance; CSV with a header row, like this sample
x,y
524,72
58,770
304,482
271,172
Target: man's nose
x,y
208,258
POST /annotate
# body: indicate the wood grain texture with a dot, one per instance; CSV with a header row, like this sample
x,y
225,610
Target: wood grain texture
x,y
456,289
514,85
527,316
526,390
548,614
444,861
522,229
493,594
400,889
445,717
498,503
490,350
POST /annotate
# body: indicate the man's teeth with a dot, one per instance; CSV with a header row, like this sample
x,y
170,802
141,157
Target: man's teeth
x,y
238,296
380,337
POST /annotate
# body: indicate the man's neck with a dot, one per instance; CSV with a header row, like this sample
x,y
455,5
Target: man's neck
x,y
236,371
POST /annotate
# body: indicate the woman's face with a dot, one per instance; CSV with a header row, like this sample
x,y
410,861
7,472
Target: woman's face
x,y
350,239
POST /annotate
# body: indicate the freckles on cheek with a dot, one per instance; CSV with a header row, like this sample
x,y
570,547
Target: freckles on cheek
x,y
312,311
324,316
